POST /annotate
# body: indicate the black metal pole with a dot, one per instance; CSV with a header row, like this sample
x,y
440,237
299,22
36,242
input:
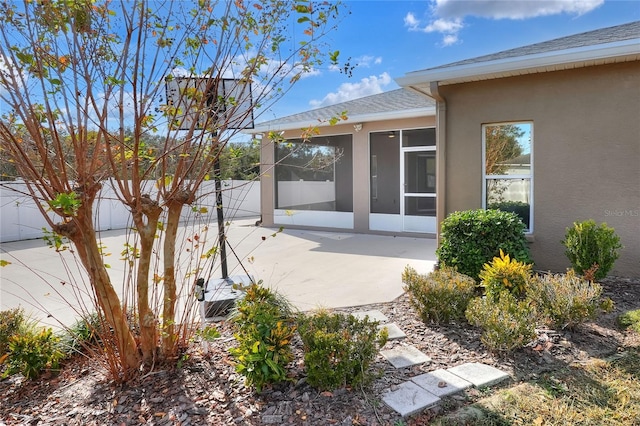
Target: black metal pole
x,y
222,243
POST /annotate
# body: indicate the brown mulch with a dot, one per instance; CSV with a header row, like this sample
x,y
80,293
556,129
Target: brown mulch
x,y
205,390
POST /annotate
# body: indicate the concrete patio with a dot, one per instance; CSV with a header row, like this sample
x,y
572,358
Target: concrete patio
x,y
311,268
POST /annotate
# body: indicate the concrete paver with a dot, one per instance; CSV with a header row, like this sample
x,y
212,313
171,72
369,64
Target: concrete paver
x,y
374,315
394,332
479,374
441,382
409,399
405,356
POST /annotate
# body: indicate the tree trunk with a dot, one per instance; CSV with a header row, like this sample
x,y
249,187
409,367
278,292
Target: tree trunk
x,y
147,318
169,337
81,231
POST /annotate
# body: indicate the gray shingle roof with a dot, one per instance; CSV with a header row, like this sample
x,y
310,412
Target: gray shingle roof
x,y
591,38
380,106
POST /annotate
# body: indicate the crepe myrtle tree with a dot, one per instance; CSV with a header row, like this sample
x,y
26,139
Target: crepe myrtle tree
x,y
83,86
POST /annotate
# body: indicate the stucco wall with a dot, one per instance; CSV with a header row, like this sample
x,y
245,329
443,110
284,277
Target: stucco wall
x,y
586,151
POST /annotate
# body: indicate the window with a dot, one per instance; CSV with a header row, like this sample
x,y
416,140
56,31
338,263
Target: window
x,y
508,172
315,175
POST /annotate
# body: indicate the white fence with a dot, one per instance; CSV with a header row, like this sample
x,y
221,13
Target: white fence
x,y
20,218
299,193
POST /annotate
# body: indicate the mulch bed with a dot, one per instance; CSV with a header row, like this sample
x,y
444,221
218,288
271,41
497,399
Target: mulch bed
x,y
205,390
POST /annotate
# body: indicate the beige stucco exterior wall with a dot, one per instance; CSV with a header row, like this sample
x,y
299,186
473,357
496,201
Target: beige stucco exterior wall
x,y
586,151
360,164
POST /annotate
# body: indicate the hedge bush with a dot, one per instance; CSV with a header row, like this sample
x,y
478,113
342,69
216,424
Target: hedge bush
x,y
472,238
440,296
589,245
565,300
339,349
507,324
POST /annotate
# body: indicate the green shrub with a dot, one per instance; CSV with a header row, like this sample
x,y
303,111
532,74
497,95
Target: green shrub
x,y
339,349
507,323
630,319
565,300
85,333
265,327
440,296
504,273
472,238
12,321
32,352
590,245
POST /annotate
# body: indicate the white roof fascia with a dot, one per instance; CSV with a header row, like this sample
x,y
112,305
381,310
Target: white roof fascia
x,y
360,118
494,69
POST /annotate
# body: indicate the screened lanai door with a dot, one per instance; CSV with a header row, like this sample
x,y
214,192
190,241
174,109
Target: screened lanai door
x,y
403,181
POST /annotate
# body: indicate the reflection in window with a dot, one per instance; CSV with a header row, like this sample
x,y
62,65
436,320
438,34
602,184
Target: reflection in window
x,y
315,175
507,168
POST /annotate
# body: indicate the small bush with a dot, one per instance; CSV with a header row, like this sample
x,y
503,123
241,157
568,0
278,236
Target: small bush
x,y
590,245
32,352
565,300
507,323
84,334
265,327
339,349
12,321
472,238
630,319
440,296
504,273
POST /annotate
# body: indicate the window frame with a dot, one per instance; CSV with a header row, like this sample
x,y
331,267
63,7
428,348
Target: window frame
x,y
529,176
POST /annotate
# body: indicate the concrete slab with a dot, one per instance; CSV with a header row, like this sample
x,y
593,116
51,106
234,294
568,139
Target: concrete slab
x,y
394,331
405,356
441,383
373,316
481,375
308,267
409,399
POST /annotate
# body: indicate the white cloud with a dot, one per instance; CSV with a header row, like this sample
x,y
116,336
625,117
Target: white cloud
x,y
448,27
446,16
513,9
367,60
347,91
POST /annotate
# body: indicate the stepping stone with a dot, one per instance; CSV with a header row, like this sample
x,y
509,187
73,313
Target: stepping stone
x,y
373,316
480,375
441,383
394,331
409,399
405,356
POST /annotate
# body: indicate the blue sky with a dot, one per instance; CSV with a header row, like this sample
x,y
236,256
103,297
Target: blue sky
x,y
390,38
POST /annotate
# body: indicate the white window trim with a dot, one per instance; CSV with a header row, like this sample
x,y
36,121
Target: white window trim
x,y
529,176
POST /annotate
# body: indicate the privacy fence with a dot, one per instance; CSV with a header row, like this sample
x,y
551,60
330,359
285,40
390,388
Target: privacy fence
x,y
20,218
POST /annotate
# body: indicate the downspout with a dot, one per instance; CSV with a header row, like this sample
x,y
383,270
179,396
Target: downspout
x,y
441,137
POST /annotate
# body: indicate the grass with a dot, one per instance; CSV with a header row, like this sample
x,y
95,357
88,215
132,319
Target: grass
x,y
598,393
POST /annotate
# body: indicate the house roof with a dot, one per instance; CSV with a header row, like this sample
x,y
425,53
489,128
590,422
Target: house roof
x,y
606,45
395,104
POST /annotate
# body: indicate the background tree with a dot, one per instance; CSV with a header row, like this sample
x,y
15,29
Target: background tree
x,y
501,145
82,86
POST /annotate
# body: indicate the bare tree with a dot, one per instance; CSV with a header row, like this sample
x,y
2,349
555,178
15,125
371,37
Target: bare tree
x,y
82,86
